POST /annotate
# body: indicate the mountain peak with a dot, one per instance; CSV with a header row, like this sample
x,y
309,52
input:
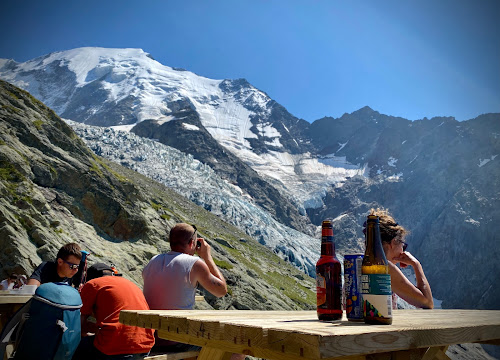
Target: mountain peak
x,y
234,85
365,110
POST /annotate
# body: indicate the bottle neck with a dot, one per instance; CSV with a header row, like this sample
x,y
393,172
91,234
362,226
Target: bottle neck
x,y
327,248
374,250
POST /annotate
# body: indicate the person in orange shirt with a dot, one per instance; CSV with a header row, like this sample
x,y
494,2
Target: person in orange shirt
x,y
104,296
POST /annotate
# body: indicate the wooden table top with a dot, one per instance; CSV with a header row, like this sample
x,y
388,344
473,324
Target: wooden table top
x,y
299,335
9,298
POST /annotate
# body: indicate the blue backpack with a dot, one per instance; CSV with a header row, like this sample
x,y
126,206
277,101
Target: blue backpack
x,y
52,328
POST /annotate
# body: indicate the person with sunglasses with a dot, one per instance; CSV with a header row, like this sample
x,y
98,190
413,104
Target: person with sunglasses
x,y
62,270
393,241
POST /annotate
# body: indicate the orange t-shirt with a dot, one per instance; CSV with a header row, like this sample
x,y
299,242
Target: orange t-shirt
x,y
105,297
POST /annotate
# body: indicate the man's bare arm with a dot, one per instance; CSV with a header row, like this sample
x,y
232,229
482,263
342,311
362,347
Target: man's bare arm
x,y
207,273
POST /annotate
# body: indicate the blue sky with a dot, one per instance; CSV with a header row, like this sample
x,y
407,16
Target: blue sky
x,y
405,58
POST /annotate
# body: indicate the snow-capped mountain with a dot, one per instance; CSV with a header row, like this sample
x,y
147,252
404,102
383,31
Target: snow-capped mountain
x,y
113,87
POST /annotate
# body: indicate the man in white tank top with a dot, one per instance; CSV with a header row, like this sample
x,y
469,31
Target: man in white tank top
x,y
170,279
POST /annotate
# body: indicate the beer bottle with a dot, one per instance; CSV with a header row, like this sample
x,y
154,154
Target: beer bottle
x,y
328,277
375,278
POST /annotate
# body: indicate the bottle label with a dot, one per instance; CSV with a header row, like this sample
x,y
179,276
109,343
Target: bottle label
x,y
326,232
320,289
377,295
376,284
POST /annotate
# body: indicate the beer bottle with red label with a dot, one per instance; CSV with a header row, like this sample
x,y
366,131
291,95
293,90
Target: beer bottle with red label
x,y
328,277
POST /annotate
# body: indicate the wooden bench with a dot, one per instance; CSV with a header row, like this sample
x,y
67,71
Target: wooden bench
x,y
188,355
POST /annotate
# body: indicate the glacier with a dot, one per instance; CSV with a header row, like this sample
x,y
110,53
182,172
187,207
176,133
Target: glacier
x,y
171,167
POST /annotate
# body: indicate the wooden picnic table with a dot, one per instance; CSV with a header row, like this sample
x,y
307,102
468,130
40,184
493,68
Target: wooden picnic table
x,y
298,335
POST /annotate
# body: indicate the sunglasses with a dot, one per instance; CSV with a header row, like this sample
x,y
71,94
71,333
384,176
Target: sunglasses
x,y
405,246
72,266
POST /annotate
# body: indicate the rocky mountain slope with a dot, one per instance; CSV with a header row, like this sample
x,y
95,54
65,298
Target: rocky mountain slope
x,y
440,178
54,190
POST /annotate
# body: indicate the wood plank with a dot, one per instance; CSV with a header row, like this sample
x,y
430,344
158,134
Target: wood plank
x,y
413,354
249,336
436,353
252,332
208,329
490,342
241,349
298,344
148,320
128,317
14,298
210,324
174,356
441,355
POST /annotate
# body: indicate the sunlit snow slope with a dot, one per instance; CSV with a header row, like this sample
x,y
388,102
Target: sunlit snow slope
x,y
109,87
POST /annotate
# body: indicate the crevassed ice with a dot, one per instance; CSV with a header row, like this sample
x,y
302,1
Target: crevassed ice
x,y
169,166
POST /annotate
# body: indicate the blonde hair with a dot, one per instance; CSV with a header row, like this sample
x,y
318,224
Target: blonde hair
x,y
389,228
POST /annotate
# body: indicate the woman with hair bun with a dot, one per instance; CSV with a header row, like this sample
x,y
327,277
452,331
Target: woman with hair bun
x,y
393,240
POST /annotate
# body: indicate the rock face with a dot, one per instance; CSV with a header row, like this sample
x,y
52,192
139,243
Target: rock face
x,y
54,190
189,135
441,180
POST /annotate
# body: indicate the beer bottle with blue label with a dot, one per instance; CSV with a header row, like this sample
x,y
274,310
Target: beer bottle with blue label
x,y
375,278
328,277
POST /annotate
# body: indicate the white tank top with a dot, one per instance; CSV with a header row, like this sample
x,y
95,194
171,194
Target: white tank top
x,y
166,282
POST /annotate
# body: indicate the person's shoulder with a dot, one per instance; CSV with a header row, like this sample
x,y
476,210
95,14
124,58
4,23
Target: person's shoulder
x,y
393,267
94,284
45,264
185,256
156,257
107,280
194,259
395,272
113,284
125,283
43,268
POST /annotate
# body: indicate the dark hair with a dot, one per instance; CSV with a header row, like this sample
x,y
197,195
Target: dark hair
x,y
98,270
389,228
13,276
69,249
181,234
